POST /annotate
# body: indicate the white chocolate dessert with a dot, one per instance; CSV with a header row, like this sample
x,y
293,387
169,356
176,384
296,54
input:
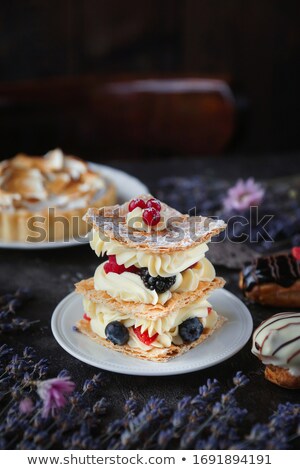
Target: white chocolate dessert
x,y
31,186
149,299
276,342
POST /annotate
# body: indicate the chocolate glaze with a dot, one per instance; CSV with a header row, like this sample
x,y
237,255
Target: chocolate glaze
x,y
280,269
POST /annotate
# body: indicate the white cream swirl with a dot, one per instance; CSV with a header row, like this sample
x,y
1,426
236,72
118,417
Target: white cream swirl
x,y
129,287
134,220
166,327
164,265
189,279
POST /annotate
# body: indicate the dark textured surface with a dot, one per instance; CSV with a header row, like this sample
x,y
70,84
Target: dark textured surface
x,y
52,273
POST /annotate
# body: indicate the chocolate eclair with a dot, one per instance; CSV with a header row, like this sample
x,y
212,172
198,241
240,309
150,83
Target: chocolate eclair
x,y
273,280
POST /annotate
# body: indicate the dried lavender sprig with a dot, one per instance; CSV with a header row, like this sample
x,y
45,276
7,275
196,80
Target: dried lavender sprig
x,y
209,420
9,305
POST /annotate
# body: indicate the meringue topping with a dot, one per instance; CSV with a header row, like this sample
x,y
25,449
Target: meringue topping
x,y
54,180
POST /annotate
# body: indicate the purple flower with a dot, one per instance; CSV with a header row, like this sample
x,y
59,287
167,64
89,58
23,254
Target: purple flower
x,y
26,406
243,195
53,392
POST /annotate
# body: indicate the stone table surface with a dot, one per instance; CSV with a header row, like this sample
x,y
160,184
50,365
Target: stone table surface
x,y
52,273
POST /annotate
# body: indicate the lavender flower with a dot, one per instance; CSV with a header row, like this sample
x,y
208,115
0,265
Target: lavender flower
x,y
53,392
212,419
26,406
4,350
9,305
243,195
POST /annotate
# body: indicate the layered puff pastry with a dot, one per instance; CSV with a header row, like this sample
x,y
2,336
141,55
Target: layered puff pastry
x,y
150,299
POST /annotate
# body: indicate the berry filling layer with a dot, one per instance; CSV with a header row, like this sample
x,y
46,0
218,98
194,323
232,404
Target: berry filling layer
x,y
179,327
137,285
165,265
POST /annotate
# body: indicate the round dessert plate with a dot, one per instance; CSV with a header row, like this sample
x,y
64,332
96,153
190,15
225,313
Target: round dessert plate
x,y
224,343
127,187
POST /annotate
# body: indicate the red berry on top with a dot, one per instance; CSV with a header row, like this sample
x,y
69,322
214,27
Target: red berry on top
x,y
86,317
111,266
296,252
136,203
151,216
144,337
154,203
209,310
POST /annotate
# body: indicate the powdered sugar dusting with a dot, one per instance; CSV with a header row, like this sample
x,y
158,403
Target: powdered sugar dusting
x,y
182,231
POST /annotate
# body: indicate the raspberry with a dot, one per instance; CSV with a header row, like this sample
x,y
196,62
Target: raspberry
x,y
144,337
296,252
151,216
154,203
86,317
136,203
111,266
159,284
209,310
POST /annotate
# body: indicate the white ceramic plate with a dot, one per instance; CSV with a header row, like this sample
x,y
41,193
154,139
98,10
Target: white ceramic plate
x,y
127,187
223,344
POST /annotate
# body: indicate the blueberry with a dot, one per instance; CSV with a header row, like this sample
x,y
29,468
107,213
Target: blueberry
x,y
117,333
190,330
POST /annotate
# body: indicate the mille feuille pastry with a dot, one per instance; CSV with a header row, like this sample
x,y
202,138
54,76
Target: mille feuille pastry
x,y
149,300
273,280
276,342
31,186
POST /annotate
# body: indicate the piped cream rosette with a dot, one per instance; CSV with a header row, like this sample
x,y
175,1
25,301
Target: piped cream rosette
x,y
166,327
158,264
130,287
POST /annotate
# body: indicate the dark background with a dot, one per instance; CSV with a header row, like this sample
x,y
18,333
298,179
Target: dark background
x,y
56,58
254,45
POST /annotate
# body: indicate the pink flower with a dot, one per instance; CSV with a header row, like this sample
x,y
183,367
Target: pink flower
x,y
26,406
53,392
243,195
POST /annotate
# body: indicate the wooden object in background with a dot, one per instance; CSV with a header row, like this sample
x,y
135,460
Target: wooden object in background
x,y
117,115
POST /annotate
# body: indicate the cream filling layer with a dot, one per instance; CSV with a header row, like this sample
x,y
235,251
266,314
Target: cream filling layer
x,y
164,265
129,287
166,327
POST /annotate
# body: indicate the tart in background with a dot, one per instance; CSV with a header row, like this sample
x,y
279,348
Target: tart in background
x,y
45,198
